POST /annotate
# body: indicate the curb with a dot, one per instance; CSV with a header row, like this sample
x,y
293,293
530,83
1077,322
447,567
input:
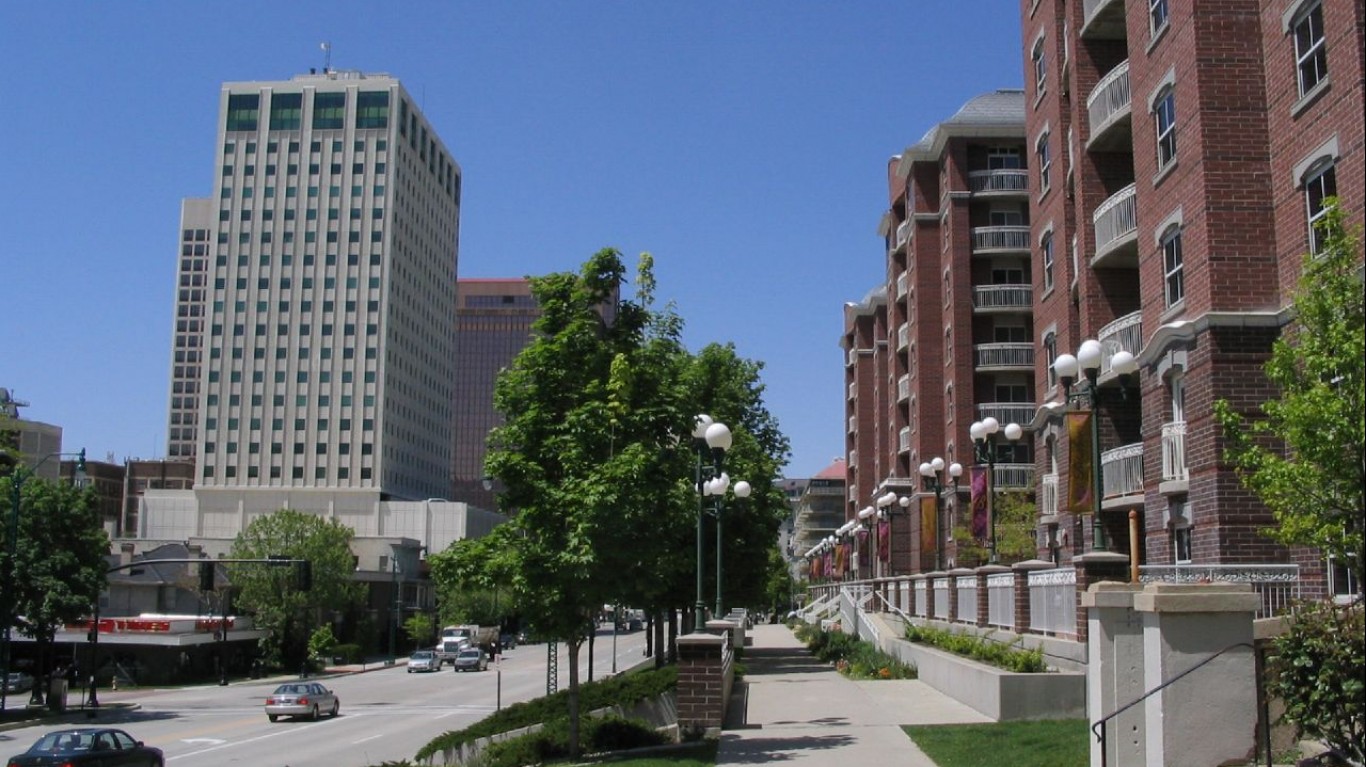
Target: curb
x,y
39,716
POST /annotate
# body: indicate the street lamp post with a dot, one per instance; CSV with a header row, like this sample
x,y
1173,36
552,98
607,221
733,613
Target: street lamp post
x,y
932,474
983,434
17,480
1087,361
716,488
866,519
398,608
711,439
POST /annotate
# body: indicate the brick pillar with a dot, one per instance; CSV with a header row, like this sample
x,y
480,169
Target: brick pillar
x,y
983,595
1022,571
1094,567
705,672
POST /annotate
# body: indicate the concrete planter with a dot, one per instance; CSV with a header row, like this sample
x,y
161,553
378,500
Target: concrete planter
x,y
1002,695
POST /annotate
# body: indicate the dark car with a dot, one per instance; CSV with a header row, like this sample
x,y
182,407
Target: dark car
x,y
104,746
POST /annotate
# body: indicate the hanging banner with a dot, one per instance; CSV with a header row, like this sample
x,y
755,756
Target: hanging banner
x,y
884,540
1079,451
929,525
980,494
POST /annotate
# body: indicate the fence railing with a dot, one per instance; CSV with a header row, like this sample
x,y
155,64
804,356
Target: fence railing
x,y
1121,470
1000,238
1014,180
1109,99
1115,218
1053,601
1007,412
1001,600
1123,334
1004,355
1174,451
1002,297
1277,584
1052,596
1048,494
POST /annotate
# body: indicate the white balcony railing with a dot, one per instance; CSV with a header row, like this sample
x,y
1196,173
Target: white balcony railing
x,y
1121,471
1013,476
1048,495
993,238
903,336
903,231
1110,100
1007,412
851,357
1005,180
852,391
901,282
1011,355
903,441
903,388
1003,297
1115,220
1125,333
1174,452
853,424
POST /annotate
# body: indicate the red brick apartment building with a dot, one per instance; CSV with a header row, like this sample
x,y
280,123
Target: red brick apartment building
x,y
1174,157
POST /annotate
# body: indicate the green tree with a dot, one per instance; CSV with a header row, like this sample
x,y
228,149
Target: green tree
x,y
1016,516
1305,454
270,592
589,409
59,562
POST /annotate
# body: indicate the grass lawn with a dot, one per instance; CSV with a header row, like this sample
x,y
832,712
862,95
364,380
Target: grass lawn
x,y
1058,743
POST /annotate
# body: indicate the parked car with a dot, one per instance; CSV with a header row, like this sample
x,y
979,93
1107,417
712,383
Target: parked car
x,y
103,746
306,699
18,681
471,659
423,660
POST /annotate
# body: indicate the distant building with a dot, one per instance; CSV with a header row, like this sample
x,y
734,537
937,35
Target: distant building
x,y
493,325
34,440
819,509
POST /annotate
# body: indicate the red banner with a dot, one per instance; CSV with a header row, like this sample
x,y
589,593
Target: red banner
x,y
884,540
1080,478
980,494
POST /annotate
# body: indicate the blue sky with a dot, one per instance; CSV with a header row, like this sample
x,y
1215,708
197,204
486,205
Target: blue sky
x,y
743,144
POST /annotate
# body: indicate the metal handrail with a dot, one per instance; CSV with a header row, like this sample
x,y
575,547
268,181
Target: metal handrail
x,y
1098,729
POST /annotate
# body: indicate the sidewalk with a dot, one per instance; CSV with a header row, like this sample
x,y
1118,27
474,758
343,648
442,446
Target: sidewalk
x,y
803,712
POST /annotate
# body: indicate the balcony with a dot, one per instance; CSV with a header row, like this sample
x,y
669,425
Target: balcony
x,y
903,388
853,425
1121,473
903,336
1048,495
903,231
1174,452
853,392
1103,20
1007,356
1124,334
1110,109
903,440
989,299
851,357
1116,226
1007,412
1004,182
999,239
901,281
1013,476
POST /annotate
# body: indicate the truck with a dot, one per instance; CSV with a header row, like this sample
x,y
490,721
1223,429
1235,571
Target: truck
x,y
447,649
485,637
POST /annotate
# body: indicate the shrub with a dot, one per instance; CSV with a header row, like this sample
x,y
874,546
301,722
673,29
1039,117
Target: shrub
x,y
552,741
1316,669
623,689
854,657
1008,657
349,653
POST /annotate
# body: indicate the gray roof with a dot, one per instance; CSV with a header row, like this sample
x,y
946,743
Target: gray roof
x,y
1000,110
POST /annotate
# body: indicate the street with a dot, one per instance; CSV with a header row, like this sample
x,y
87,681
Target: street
x,y
386,714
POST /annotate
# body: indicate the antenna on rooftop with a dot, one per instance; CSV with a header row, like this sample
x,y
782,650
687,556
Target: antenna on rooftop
x,y
327,57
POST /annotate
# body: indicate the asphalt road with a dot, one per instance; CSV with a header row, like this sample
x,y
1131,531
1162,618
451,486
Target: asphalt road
x,y
386,714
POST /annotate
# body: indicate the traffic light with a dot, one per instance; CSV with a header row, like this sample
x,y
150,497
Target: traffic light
x,y
303,574
206,576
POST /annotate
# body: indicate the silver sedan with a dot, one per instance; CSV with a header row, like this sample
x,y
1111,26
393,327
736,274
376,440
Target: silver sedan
x,y
307,699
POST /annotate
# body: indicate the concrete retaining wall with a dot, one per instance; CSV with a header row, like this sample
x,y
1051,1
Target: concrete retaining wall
x,y
1001,695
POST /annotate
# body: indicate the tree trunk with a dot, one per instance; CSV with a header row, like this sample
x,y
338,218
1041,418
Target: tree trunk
x,y
573,646
673,635
659,640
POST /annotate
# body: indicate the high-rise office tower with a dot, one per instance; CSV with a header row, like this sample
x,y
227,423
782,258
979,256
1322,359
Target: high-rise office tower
x,y
326,313
494,321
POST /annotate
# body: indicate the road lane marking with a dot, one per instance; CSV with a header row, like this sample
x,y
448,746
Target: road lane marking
x,y
363,740
278,733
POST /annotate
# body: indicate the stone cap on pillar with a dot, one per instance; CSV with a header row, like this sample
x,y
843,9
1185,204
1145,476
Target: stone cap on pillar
x,y
994,569
703,640
720,625
1091,558
959,572
1034,564
1110,594
1197,598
